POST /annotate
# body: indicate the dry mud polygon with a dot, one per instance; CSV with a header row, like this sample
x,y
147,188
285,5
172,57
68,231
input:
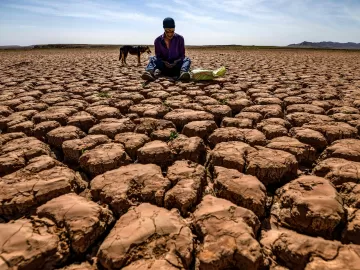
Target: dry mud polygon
x,y
259,169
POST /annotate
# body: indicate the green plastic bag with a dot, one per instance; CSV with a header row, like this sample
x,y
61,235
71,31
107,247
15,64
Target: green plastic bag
x,y
206,74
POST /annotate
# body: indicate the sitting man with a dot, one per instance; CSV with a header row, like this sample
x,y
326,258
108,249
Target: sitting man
x,y
169,56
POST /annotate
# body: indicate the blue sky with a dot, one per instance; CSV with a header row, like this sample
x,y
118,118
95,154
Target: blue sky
x,y
201,22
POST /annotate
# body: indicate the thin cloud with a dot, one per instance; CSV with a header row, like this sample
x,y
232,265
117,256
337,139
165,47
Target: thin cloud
x,y
82,9
193,17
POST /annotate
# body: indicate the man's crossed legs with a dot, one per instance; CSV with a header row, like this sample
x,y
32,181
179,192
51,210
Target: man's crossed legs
x,y
157,67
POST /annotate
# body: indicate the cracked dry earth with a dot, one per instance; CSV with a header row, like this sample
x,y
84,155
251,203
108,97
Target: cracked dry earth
x,y
257,170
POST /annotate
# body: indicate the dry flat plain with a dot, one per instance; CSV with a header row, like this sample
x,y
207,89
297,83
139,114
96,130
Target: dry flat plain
x,y
257,170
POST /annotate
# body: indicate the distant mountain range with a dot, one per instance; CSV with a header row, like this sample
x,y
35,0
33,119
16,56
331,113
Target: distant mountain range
x,y
327,45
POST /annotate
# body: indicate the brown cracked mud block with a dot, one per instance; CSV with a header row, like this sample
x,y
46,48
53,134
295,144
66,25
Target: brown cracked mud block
x,y
41,180
163,134
34,93
356,124
299,119
158,94
254,116
15,119
123,105
149,110
227,235
310,137
218,111
200,129
101,112
149,125
326,105
177,102
307,108
188,180
343,109
259,93
343,117
145,237
238,104
205,100
78,104
350,192
274,131
309,205
73,149
11,103
53,98
338,170
267,111
32,244
304,153
57,136
351,233
26,127
135,97
271,166
84,221
192,106
250,136
112,126
102,102
152,265
237,122
132,142
81,266
347,149
356,103
131,116
82,120
230,155
12,120
181,117
41,129
5,111
155,101
334,131
59,114
157,152
42,177
241,189
273,121
4,138
268,101
296,251
193,92
104,157
16,153
130,185
32,105
192,148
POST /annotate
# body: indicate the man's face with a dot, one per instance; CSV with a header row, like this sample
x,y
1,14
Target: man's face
x,y
169,32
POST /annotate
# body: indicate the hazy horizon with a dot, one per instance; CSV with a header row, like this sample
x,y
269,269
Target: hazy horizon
x,y
206,22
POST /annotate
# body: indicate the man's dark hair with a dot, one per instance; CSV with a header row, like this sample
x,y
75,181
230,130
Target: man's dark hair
x,y
168,23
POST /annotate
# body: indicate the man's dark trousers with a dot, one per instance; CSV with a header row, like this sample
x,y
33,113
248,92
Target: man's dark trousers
x,y
181,66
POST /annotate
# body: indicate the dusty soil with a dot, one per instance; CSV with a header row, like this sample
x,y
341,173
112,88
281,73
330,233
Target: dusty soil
x,y
259,169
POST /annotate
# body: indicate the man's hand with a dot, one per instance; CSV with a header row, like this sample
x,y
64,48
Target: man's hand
x,y
168,65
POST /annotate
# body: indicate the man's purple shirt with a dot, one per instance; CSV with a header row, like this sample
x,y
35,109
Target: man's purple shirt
x,y
175,52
